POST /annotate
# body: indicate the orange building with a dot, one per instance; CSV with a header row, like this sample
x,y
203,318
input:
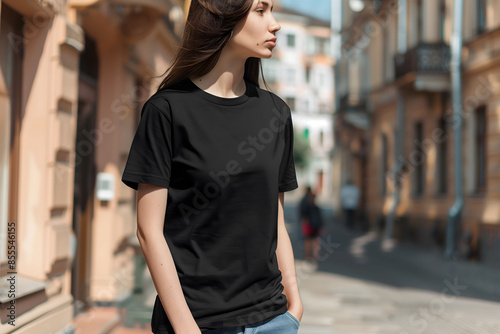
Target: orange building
x,y
390,63
74,75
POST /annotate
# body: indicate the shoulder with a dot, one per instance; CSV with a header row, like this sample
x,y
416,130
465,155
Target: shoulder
x,y
156,108
277,103
162,100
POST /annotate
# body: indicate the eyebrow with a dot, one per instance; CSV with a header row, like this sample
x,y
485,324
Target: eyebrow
x,y
265,3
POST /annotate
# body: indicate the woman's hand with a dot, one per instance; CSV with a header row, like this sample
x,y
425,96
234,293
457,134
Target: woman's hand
x,y
296,310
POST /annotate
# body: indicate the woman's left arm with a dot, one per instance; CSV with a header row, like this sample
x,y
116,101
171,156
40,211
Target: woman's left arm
x,y
286,263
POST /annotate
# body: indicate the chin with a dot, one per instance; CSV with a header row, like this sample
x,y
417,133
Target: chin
x,y
265,55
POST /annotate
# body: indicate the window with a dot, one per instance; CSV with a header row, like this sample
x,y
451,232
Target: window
x,y
290,40
310,45
323,108
327,47
442,155
290,101
480,146
322,45
417,159
420,19
481,16
306,105
365,72
442,18
384,164
321,79
270,74
290,75
386,59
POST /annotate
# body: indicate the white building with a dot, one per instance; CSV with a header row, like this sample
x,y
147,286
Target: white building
x,y
301,72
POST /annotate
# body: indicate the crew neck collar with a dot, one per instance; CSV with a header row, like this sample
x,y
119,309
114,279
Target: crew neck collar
x,y
232,101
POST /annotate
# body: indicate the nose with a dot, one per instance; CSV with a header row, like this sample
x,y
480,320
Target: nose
x,y
274,25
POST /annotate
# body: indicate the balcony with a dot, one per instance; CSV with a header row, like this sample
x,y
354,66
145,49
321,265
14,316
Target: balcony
x,y
428,66
135,19
352,102
353,109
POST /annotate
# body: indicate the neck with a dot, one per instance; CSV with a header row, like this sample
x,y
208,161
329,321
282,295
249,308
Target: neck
x,y
226,78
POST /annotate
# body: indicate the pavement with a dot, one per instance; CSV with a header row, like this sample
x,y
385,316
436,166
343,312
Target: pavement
x,y
360,286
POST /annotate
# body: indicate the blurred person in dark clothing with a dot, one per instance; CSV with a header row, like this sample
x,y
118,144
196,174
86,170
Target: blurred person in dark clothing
x,y
304,204
311,223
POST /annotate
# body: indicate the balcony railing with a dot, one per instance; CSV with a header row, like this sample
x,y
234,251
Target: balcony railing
x,y
348,104
354,110
424,58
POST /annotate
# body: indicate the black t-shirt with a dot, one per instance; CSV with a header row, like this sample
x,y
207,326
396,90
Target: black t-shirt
x,y
223,160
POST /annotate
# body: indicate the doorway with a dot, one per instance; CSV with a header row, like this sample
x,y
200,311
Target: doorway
x,y
85,175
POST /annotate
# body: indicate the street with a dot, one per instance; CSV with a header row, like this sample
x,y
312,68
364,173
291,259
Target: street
x,y
357,287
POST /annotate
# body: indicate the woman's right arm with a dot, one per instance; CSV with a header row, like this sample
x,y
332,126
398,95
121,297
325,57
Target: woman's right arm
x,y
151,207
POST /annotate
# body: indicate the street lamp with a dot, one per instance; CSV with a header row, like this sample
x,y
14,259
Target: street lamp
x,y
357,5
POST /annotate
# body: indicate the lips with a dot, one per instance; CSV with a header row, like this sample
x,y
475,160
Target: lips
x,y
272,40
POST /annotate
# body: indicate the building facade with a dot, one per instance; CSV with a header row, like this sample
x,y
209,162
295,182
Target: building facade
x,y
397,75
301,72
74,75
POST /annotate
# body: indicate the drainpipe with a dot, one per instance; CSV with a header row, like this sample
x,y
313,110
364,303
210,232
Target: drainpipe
x,y
454,219
399,148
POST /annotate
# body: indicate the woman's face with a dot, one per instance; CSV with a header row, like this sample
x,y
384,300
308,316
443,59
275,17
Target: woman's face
x,y
253,36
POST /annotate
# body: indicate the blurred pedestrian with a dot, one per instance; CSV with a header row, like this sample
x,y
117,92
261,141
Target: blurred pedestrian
x,y
349,197
311,225
304,204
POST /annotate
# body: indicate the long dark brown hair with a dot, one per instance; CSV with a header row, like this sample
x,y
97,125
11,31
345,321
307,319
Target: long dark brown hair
x,y
207,30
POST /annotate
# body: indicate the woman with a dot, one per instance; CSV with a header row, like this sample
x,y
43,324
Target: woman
x,y
211,160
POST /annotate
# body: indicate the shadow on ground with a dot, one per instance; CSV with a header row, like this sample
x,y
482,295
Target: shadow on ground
x,y
359,255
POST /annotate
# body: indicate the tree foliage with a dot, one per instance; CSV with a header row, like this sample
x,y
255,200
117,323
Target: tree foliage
x,y
301,149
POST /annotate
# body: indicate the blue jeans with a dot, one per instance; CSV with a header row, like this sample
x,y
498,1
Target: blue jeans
x,y
285,323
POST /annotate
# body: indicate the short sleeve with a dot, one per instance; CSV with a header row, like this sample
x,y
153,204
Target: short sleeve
x,y
150,157
287,177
